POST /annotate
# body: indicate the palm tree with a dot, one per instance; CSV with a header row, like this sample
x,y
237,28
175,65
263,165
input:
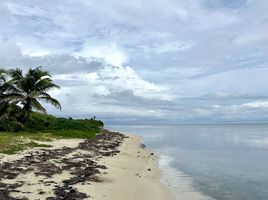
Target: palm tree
x,y
30,88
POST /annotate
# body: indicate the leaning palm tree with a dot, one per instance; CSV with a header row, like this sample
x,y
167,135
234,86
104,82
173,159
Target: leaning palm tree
x,y
28,89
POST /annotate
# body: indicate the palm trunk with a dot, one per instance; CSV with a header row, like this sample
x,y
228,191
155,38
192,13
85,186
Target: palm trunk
x,y
27,109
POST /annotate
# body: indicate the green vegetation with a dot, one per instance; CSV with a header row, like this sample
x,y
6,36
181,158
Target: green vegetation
x,y
24,121
42,127
62,127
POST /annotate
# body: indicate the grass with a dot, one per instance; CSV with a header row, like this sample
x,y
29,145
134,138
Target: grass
x,y
46,128
11,143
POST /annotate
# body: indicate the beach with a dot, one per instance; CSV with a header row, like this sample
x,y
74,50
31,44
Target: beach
x,y
111,166
132,174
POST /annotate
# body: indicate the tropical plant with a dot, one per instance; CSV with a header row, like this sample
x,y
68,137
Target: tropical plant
x,y
28,89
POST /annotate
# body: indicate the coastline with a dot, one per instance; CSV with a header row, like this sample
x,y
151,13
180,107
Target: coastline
x,y
132,174
111,166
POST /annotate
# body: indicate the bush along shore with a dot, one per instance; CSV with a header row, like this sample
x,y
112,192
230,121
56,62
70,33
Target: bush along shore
x,y
40,128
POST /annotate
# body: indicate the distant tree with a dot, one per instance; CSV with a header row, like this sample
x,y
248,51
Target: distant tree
x,y
28,89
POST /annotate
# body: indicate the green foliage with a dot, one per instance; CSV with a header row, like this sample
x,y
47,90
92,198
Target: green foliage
x,y
67,128
10,118
79,128
41,127
11,126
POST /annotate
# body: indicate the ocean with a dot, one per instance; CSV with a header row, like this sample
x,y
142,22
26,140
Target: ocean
x,y
202,162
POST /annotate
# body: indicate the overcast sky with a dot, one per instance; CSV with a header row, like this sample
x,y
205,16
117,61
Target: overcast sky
x,y
157,61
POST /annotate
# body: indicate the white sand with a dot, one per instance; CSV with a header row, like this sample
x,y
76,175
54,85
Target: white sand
x,y
128,177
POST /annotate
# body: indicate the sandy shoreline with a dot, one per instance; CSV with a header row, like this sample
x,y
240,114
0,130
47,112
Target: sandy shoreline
x,y
132,174
112,166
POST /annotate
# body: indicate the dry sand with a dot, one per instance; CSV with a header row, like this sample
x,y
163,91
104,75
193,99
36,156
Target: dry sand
x,y
132,174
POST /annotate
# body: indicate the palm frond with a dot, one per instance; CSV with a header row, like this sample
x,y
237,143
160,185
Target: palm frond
x,y
2,71
38,73
36,105
12,97
16,74
47,98
45,85
3,77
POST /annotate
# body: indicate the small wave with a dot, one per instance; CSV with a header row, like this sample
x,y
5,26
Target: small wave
x,y
179,182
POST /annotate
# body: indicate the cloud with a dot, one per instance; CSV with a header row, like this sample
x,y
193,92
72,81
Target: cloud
x,y
231,4
176,61
110,91
110,53
11,55
24,10
256,104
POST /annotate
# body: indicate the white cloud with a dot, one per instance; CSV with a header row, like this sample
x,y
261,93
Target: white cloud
x,y
255,104
109,52
38,53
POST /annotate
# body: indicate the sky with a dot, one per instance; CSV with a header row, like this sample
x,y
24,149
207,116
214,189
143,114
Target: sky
x,y
145,61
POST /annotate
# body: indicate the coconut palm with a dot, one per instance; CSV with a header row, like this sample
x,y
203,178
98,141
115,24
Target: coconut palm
x,y
28,89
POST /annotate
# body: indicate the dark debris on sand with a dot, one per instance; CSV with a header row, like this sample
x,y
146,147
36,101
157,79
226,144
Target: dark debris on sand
x,y
81,166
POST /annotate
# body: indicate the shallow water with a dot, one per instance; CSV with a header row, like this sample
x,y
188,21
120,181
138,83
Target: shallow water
x,y
224,162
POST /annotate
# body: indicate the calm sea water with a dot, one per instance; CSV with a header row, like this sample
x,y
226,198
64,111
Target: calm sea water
x,y
223,161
